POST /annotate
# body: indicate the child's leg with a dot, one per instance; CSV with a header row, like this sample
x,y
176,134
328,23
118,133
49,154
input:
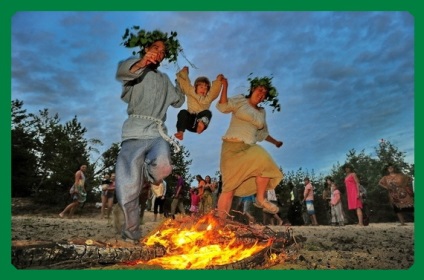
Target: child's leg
x,y
203,120
182,123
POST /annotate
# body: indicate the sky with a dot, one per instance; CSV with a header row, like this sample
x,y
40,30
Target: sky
x,y
345,79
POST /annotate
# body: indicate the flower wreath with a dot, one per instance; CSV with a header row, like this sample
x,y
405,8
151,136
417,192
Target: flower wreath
x,y
266,82
142,39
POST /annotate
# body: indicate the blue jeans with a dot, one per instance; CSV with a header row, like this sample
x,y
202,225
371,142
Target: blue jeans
x,y
139,160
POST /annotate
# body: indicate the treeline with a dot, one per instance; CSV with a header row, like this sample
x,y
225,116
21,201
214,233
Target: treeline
x,y
369,168
47,152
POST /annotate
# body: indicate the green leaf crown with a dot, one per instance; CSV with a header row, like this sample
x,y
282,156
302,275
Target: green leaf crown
x,y
266,82
142,39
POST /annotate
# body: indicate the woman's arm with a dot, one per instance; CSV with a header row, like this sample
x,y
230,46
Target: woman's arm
x,y
223,99
77,177
271,139
355,177
383,182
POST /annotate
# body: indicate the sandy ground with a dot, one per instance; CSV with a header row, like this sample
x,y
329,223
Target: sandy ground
x,y
351,247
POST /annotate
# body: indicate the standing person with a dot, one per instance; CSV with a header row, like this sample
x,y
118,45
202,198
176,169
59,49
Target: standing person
x,y
294,214
215,193
399,187
105,185
194,201
177,198
160,191
354,201
110,194
201,187
308,198
246,167
335,203
326,197
79,194
145,152
197,117
207,199
218,191
150,201
273,218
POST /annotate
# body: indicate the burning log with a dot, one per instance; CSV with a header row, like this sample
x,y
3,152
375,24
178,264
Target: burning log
x,y
78,253
176,244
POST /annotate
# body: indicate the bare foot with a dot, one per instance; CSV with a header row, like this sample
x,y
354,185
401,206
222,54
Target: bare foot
x,y
280,222
179,135
61,215
200,127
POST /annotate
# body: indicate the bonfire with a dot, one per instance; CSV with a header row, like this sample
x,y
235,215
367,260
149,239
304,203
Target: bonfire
x,y
203,243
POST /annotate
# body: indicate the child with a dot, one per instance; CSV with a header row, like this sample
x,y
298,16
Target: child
x,y
199,98
336,204
195,201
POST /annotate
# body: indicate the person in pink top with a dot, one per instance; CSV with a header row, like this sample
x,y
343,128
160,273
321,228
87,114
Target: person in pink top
x,y
354,201
308,198
195,201
336,203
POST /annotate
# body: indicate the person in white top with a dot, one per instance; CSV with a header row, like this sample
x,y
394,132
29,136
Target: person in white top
x,y
246,167
159,190
274,219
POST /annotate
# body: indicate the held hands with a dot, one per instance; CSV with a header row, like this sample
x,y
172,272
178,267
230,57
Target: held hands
x,y
223,80
185,69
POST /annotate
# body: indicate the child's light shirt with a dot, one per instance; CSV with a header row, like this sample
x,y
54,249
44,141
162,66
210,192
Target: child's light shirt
x,y
197,103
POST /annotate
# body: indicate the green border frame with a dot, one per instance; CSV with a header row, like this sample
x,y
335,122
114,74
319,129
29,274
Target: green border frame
x,y
8,8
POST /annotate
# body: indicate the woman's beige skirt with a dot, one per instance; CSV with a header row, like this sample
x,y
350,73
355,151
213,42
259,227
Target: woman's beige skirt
x,y
240,165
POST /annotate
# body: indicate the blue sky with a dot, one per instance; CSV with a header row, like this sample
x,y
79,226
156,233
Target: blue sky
x,y
346,79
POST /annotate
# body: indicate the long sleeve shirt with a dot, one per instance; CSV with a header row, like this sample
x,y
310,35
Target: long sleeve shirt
x,y
196,102
149,98
247,123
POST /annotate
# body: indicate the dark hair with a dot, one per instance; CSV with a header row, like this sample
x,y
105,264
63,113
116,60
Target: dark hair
x,y
252,89
386,167
348,165
202,80
306,179
329,178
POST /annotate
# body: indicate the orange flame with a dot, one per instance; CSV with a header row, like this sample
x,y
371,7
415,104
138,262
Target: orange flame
x,y
202,244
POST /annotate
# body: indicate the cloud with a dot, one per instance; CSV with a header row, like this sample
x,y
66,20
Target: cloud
x,y
346,79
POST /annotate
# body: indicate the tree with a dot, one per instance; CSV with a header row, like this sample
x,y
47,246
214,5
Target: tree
x,y
107,160
23,157
369,171
46,154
